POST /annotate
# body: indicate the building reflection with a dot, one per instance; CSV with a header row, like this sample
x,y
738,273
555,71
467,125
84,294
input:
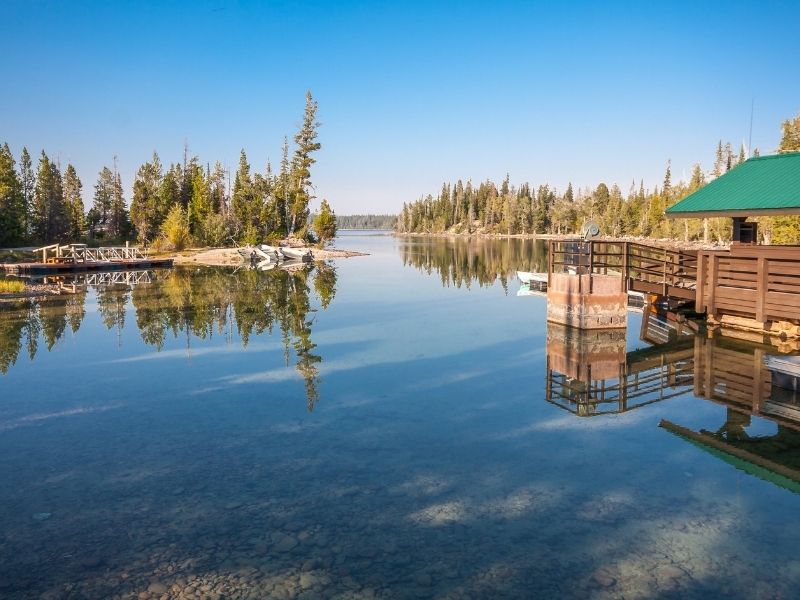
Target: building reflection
x,y
589,373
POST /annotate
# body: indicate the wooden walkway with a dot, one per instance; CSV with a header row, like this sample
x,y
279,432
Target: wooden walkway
x,y
759,283
75,258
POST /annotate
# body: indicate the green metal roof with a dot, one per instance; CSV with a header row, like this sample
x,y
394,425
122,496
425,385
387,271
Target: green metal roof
x,y
767,185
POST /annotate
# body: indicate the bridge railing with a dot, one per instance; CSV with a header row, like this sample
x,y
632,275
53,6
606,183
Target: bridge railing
x,y
81,253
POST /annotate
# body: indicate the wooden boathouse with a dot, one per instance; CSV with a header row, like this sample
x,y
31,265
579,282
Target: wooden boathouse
x,y
749,284
746,285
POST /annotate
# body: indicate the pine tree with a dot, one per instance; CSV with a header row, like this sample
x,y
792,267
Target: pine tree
x,y
325,223
27,179
101,203
200,203
147,211
790,140
219,199
719,161
306,145
12,208
50,217
71,190
243,198
666,190
728,157
120,224
698,179
169,190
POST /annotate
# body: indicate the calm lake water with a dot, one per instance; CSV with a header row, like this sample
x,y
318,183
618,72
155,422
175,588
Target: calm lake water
x,y
402,425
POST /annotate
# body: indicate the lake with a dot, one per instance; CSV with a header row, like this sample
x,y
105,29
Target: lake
x,y
401,425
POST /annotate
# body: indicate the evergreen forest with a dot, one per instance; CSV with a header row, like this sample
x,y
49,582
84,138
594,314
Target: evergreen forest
x,y
188,201
487,208
366,221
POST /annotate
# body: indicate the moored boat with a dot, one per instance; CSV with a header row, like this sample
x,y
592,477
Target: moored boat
x,y
297,254
527,277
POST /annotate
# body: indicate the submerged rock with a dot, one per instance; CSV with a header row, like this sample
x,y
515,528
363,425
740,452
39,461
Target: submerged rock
x,y
603,579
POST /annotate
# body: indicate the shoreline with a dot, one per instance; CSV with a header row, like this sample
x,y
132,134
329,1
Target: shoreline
x,y
695,244
230,257
207,257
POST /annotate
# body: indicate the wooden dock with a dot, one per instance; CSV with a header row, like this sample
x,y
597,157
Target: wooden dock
x,y
748,286
43,269
77,258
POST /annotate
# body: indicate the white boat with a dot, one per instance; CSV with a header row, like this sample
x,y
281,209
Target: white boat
x,y
296,254
525,290
266,265
270,251
527,277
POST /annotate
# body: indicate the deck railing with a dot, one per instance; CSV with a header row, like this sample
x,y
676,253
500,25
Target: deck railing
x,y
643,268
755,282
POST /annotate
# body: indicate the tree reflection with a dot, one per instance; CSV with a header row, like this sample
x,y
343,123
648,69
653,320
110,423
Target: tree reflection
x,y
187,303
460,261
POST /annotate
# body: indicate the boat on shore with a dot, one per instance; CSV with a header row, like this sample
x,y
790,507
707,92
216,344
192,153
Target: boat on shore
x,y
296,254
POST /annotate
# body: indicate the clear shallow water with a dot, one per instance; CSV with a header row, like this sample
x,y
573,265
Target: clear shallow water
x,y
160,443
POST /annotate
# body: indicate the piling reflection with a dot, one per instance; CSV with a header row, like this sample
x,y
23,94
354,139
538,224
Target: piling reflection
x,y
589,373
188,303
462,261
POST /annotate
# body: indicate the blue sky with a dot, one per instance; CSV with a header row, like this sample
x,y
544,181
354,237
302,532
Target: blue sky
x,y
410,94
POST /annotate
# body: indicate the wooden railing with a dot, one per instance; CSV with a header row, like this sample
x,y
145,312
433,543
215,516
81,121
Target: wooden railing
x,y
80,253
754,282
643,268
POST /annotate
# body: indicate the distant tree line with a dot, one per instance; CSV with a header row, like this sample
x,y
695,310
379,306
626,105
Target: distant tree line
x,y
366,221
506,209
185,202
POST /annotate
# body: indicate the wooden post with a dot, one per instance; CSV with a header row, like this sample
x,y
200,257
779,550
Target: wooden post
x,y
591,264
551,246
625,267
761,288
699,301
758,379
711,306
708,365
698,366
664,275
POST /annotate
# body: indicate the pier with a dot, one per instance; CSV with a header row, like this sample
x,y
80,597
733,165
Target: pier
x,y
74,258
747,285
